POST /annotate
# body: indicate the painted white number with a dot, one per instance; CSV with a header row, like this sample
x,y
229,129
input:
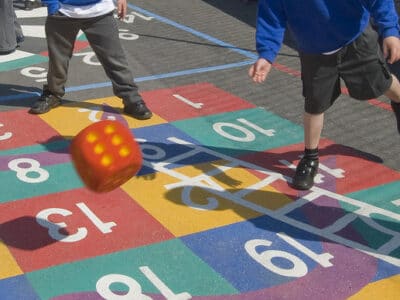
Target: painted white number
x,y
94,111
151,152
54,228
146,18
134,288
103,227
246,135
196,105
130,18
30,166
5,136
89,58
35,72
125,35
134,292
322,259
298,269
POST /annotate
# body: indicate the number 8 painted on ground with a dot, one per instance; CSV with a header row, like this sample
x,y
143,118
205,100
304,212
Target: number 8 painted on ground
x,y
34,167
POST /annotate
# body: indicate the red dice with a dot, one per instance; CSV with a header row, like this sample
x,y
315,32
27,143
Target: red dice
x,y
105,155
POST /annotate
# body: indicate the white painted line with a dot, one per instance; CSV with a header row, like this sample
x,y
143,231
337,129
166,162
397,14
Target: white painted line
x,y
36,31
34,13
14,56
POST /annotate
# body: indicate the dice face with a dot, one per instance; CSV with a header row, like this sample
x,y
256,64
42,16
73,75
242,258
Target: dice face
x,y
105,155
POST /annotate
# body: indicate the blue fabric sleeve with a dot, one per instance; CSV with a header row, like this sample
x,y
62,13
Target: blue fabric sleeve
x,y
270,29
52,6
385,17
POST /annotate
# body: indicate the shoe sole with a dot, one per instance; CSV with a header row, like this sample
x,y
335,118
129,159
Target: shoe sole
x,y
35,112
301,188
143,117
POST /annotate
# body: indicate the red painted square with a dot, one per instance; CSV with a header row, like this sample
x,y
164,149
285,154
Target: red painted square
x,y
362,170
90,234
192,101
18,129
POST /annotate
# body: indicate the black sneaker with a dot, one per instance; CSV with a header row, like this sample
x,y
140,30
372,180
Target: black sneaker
x,y
396,110
138,110
20,40
305,172
45,103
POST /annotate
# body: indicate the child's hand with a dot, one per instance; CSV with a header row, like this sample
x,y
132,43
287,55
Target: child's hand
x,y
391,49
259,70
121,8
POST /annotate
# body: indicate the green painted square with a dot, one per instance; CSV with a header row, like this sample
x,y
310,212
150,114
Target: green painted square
x,y
172,262
81,37
396,253
57,146
382,196
62,177
372,236
22,62
241,132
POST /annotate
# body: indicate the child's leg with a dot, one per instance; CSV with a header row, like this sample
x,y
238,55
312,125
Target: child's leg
x,y
8,41
308,165
394,95
321,87
18,30
103,36
313,124
366,73
61,33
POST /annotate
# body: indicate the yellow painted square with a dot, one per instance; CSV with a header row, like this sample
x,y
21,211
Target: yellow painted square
x,y
169,208
8,265
387,288
71,117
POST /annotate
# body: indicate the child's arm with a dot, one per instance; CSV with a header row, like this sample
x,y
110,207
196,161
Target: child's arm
x,y
391,49
259,70
385,17
271,25
52,6
121,8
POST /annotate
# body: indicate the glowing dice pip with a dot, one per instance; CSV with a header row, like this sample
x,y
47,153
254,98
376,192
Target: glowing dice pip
x,y
105,155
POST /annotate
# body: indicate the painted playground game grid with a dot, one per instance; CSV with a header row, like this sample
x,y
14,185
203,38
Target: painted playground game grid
x,y
209,216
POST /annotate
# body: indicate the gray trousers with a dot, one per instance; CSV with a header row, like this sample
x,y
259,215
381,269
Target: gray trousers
x,y
102,34
9,27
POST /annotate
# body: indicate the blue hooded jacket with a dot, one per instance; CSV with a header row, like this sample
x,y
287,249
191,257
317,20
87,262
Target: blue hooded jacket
x,y
320,26
54,5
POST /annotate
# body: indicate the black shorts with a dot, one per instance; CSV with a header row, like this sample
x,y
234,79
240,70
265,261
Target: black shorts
x,y
360,65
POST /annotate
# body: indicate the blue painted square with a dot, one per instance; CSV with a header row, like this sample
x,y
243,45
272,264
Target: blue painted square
x,y
159,147
224,250
17,287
